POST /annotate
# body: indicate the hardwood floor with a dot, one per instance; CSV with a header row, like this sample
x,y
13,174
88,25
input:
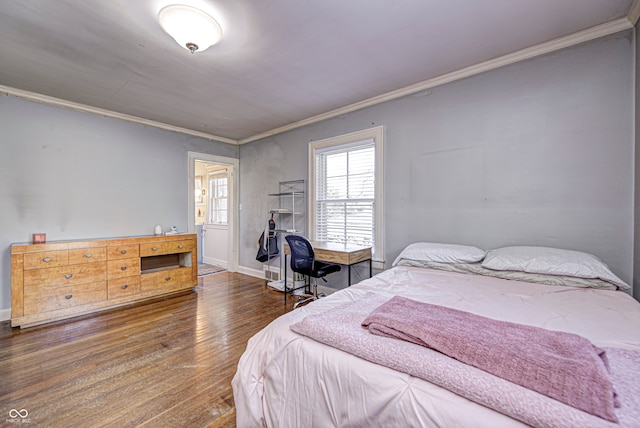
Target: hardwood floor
x,y
166,363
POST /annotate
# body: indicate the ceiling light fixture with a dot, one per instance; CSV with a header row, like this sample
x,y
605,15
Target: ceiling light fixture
x,y
192,28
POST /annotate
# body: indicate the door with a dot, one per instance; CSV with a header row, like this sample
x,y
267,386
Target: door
x,y
216,226
213,206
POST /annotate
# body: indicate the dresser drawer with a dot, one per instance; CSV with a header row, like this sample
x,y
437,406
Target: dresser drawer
x,y
64,276
122,268
46,259
170,247
123,252
87,255
64,297
123,286
167,278
181,246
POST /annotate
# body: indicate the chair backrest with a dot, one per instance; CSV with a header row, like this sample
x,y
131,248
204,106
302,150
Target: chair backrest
x,y
302,255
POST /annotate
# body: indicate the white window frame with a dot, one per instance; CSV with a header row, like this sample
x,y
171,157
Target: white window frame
x,y
376,134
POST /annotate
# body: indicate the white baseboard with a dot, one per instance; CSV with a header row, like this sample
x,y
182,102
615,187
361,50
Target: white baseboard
x,y
251,272
209,260
5,314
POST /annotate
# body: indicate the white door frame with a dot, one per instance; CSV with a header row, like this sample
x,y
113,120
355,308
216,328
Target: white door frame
x,y
233,164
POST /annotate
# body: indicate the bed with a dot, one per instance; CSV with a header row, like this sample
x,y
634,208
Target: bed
x,y
288,379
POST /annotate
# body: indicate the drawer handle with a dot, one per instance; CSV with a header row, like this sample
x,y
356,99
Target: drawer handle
x,y
68,275
68,296
123,268
88,255
168,278
154,249
123,252
46,259
180,246
124,287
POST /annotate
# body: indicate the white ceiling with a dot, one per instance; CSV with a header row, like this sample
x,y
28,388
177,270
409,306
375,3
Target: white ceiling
x,y
280,62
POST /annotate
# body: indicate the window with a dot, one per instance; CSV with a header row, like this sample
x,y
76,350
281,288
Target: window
x,y
346,190
345,194
218,185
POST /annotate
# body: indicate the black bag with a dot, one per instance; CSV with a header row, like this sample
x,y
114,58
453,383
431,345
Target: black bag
x,y
270,250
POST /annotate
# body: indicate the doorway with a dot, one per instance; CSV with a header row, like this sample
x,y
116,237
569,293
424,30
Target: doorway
x,y
213,209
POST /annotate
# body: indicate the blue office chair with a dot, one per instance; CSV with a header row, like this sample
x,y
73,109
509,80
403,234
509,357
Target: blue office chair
x,y
303,262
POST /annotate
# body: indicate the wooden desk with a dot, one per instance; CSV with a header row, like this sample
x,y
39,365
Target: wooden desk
x,y
331,252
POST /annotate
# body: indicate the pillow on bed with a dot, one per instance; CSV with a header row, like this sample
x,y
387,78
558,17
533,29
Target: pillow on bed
x,y
551,261
538,278
442,253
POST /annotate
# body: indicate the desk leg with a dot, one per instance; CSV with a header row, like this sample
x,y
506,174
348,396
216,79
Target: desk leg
x,y
349,271
284,284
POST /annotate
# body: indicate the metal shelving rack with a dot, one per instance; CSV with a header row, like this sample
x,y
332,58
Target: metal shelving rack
x,y
288,209
291,206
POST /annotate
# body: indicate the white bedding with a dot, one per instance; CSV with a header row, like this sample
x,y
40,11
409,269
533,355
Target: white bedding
x,y
287,380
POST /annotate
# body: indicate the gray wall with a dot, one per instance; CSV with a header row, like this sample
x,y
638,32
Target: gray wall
x,y
540,152
536,153
75,175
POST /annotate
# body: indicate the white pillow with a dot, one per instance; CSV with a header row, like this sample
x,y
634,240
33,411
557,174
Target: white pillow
x,y
551,261
442,253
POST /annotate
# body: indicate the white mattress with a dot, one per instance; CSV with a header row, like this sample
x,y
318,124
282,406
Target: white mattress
x,y
288,380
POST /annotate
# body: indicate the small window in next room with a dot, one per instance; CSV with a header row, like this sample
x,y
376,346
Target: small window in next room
x,y
345,190
218,197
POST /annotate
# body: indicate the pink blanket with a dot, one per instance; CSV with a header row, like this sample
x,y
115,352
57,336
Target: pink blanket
x,y
561,365
340,327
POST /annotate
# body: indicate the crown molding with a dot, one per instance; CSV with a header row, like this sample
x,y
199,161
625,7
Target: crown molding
x,y
589,34
45,99
634,12
521,55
